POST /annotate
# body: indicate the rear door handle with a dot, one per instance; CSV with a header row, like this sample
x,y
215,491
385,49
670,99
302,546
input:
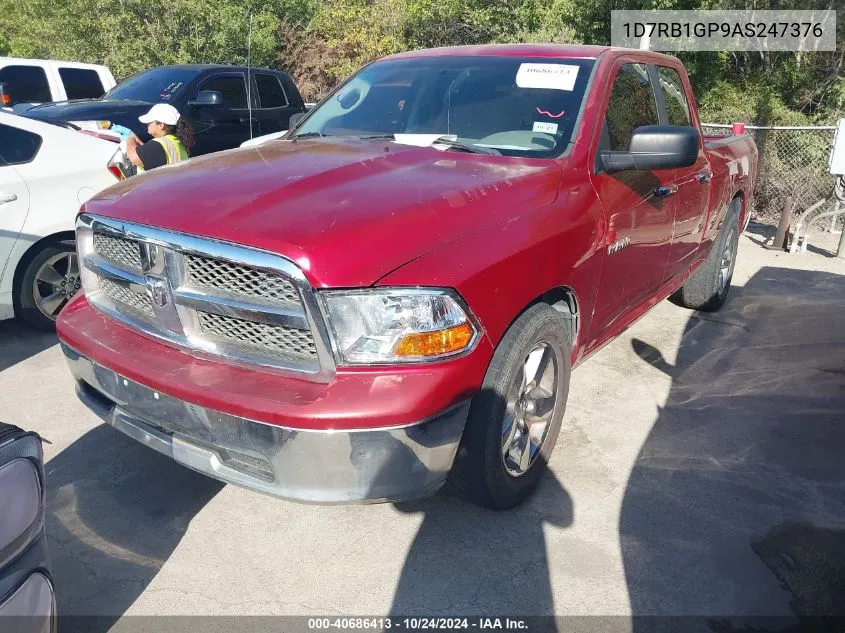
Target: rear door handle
x,y
246,119
8,197
665,190
704,176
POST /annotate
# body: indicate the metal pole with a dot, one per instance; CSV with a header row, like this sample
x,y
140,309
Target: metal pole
x,y
840,252
782,236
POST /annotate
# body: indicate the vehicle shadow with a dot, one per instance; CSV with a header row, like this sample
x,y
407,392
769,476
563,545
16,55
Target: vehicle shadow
x,y
736,503
116,510
17,343
469,561
466,560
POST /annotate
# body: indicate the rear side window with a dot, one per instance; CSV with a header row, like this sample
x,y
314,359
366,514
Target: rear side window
x,y
631,105
26,84
17,146
677,108
81,83
232,88
270,92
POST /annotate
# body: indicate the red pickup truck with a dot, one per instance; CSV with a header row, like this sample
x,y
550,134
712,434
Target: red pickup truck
x,y
395,293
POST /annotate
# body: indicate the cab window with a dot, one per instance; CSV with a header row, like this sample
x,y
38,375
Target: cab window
x,y
632,105
677,108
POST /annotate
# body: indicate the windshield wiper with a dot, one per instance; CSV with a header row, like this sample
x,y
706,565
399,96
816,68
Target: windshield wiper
x,y
376,137
308,135
466,147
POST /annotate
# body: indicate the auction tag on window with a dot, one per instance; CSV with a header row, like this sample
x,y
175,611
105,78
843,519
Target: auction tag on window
x,y
542,126
550,76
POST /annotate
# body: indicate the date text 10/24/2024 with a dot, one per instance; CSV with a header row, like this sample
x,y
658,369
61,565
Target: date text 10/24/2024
x,y
417,624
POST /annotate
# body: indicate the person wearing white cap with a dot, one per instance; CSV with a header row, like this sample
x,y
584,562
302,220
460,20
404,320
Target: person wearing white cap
x,y
171,139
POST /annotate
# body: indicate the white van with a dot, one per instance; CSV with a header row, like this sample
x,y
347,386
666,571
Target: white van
x,y
40,80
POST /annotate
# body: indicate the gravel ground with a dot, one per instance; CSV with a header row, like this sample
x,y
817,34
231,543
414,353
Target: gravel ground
x,y
699,472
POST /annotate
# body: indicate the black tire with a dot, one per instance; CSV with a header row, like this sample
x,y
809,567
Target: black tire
x,y
26,309
480,474
704,291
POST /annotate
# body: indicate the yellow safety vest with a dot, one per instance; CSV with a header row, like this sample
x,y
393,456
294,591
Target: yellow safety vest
x,y
173,149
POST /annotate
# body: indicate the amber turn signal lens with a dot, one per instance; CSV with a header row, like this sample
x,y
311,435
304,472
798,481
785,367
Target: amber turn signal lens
x,y
437,343
104,125
5,100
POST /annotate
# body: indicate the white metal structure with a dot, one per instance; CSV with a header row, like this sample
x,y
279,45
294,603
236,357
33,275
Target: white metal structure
x,y
836,164
46,173
52,80
260,140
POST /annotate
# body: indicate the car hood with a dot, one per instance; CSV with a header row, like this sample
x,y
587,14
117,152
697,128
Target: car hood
x,y
346,211
89,110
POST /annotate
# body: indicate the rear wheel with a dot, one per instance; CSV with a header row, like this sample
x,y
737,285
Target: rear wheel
x,y
514,421
708,287
49,280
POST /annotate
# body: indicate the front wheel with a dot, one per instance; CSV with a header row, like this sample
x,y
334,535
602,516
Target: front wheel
x,y
514,421
49,280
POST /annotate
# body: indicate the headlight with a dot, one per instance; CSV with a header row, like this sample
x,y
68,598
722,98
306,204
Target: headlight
x,y
396,325
92,126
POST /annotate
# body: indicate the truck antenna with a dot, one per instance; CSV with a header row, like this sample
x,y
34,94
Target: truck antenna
x,y
249,74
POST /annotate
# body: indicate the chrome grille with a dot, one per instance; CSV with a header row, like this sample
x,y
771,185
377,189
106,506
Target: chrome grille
x,y
210,297
279,338
134,300
118,251
204,272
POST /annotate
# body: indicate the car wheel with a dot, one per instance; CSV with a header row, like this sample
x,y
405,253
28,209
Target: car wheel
x,y
707,289
514,421
49,280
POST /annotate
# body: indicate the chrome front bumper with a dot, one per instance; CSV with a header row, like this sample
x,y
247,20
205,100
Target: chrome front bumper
x,y
336,466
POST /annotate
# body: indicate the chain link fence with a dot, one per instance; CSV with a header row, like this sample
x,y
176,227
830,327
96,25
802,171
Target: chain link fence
x,y
793,162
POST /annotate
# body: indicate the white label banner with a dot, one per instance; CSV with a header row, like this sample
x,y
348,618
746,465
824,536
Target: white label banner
x,y
548,76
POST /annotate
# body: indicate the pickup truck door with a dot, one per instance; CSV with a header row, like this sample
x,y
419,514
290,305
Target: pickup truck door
x,y
692,194
274,105
226,125
637,204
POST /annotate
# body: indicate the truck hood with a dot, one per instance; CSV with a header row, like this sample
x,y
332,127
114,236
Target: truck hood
x,y
346,211
89,110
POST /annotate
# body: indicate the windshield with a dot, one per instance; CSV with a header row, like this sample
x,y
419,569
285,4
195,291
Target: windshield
x,y
153,86
516,106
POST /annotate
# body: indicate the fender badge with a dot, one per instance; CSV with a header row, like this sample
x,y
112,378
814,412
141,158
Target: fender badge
x,y
618,245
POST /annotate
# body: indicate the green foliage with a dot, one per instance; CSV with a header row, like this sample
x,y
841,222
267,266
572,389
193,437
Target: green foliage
x,y
131,35
323,41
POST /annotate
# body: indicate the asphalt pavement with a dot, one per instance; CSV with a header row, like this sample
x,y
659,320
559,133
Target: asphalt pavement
x,y
699,471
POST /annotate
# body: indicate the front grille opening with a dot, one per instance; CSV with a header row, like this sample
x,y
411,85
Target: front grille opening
x,y
204,272
273,338
257,467
121,252
95,395
139,303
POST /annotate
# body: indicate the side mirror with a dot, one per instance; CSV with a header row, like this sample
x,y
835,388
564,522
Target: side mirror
x,y
207,98
656,147
294,119
5,97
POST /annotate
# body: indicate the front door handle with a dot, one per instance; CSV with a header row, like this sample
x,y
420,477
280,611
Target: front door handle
x,y
704,176
8,197
664,191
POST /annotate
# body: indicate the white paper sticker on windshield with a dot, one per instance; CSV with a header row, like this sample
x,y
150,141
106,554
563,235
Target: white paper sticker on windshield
x,y
542,126
549,76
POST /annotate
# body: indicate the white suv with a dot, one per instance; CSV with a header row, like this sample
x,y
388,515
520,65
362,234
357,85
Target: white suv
x,y
41,80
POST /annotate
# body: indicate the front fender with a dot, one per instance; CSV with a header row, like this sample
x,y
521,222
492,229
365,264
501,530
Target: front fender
x,y
502,269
